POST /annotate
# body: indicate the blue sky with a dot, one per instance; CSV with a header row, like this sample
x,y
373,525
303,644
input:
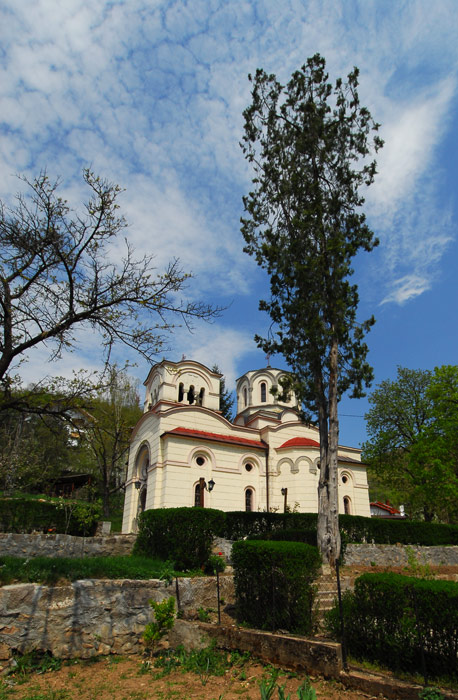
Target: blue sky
x,y
150,95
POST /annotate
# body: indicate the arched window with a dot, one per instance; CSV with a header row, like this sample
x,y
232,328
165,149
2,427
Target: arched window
x,y
180,392
347,505
200,398
142,500
197,502
191,396
263,392
245,397
249,500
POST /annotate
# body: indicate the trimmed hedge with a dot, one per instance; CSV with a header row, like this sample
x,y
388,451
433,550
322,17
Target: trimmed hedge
x,y
353,528
394,619
405,531
273,584
68,516
288,535
239,524
183,535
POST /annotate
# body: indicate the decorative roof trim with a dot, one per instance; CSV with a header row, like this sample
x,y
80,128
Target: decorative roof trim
x,y
299,442
215,437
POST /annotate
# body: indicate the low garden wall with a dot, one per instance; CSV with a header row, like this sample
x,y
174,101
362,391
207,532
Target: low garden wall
x,y
93,617
60,545
398,555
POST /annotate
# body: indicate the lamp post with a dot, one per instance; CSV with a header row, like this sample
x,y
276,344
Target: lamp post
x,y
284,492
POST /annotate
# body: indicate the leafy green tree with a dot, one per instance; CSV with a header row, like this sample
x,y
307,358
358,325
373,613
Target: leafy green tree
x,y
33,451
59,273
226,399
308,143
412,451
106,430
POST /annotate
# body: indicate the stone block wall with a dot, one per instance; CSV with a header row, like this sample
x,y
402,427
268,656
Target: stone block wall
x,y
397,555
60,545
93,617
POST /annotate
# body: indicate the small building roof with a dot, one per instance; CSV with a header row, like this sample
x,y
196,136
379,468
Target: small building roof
x,y
215,437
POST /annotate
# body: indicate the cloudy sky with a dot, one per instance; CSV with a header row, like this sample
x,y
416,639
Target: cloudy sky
x,y
150,95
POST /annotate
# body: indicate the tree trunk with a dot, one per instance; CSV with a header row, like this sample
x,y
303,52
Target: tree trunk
x,y
328,535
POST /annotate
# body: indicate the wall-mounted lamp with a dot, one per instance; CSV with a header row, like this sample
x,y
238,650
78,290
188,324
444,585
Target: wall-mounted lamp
x,y
137,483
211,485
284,492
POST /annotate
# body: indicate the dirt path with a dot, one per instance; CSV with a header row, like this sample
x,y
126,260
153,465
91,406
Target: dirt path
x,y
115,678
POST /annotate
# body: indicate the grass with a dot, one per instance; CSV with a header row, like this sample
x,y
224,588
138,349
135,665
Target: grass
x,y
206,662
50,570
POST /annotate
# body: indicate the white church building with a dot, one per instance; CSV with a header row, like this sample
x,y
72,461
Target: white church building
x,y
185,453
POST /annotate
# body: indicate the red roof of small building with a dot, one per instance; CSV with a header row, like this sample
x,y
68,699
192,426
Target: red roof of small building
x,y
385,506
215,437
299,442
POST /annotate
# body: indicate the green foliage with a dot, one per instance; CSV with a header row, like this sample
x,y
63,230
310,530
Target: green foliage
x,y
404,531
206,662
302,527
203,615
226,399
114,410
215,564
239,524
182,534
35,662
164,619
273,584
412,428
431,694
394,620
268,685
33,450
69,516
415,566
50,570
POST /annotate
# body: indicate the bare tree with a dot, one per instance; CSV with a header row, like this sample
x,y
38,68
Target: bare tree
x,y
56,277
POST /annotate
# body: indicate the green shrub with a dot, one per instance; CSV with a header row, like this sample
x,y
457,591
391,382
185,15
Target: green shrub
x,y
164,619
390,617
58,515
215,564
184,535
273,584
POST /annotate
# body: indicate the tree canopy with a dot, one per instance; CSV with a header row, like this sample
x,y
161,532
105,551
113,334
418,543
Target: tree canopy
x,y
59,272
412,451
308,143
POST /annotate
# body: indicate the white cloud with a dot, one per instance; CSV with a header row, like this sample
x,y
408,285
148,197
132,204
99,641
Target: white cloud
x,y
407,288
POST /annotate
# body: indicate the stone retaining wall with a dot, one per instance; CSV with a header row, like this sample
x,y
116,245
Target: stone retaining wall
x,y
397,555
93,617
60,545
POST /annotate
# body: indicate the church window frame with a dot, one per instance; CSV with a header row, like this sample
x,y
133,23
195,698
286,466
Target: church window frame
x,y
249,499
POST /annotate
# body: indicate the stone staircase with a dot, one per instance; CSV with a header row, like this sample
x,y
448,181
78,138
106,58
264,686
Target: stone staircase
x,y
326,595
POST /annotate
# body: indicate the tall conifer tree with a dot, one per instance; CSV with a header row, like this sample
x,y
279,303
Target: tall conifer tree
x,y
308,143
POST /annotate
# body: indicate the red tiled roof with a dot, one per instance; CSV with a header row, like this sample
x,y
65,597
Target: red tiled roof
x,y
299,442
385,506
215,437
